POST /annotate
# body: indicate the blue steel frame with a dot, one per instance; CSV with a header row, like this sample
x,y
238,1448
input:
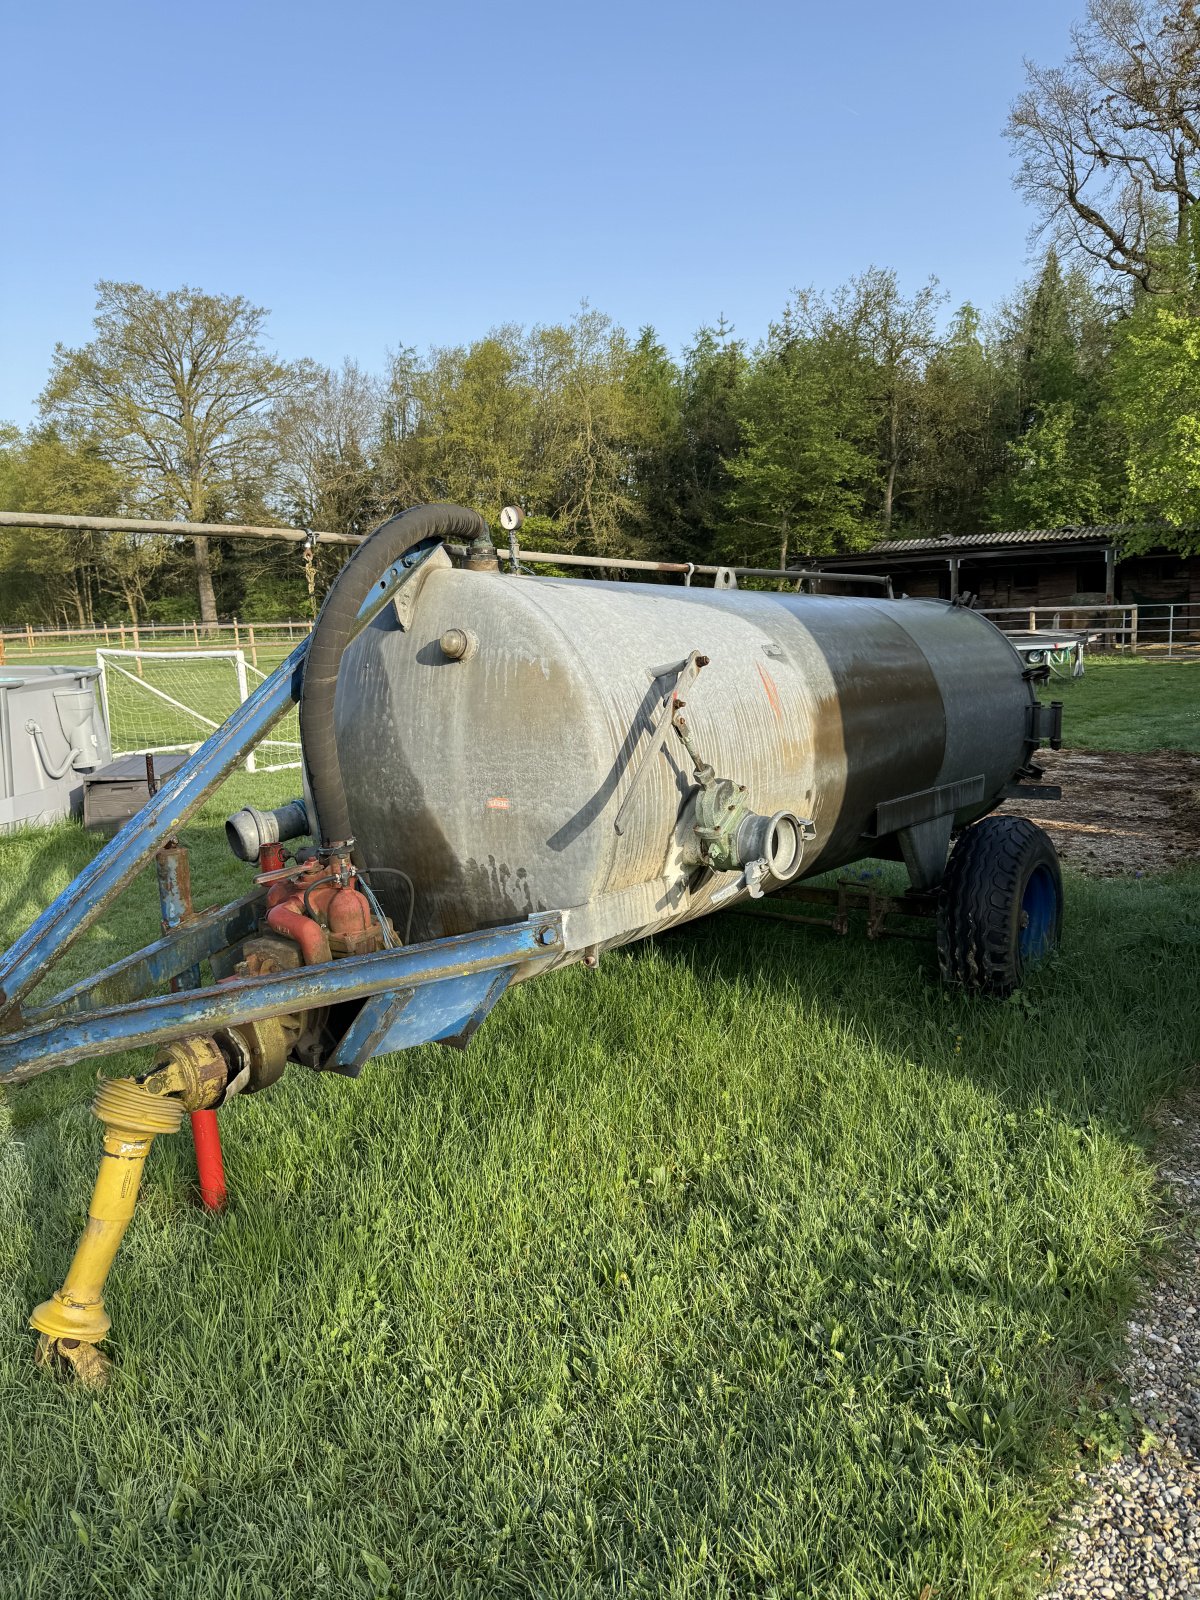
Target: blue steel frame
x,y
109,1011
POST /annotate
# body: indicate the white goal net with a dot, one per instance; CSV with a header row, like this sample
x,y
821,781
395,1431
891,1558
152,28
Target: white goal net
x,y
162,700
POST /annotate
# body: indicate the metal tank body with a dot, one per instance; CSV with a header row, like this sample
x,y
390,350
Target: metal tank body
x,y
495,777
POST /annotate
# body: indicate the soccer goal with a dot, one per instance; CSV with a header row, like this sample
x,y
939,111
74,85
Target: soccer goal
x,y
162,700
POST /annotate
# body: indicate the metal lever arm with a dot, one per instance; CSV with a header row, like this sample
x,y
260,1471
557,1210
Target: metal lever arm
x,y
685,672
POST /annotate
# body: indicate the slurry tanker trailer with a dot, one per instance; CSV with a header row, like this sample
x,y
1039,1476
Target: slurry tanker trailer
x,y
507,774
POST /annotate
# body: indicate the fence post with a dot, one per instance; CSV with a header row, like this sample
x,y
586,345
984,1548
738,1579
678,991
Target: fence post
x,y
29,636
1170,632
253,649
137,645
1,649
1032,620
1133,630
196,634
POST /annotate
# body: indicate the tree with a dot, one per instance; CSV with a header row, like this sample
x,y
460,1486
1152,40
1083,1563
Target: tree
x,y
583,432
459,425
807,423
1046,341
1052,346
1154,386
715,368
963,417
1109,143
328,431
476,409
654,391
176,389
898,336
51,573
1053,480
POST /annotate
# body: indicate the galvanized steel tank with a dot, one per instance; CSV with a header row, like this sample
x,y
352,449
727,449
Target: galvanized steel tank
x,y
493,775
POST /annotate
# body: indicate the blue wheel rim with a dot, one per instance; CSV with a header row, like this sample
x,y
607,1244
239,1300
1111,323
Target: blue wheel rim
x,y
1039,914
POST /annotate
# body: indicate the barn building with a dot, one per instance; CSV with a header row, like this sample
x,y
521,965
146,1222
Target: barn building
x,y
1046,567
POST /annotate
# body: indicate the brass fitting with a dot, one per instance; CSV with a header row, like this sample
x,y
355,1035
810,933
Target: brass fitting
x,y
193,1069
258,1051
481,554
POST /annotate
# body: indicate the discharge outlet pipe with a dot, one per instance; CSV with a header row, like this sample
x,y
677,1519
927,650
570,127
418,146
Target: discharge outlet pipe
x,y
250,829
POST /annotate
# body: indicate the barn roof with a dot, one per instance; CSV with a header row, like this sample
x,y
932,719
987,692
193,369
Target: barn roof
x,y
1035,541
1101,533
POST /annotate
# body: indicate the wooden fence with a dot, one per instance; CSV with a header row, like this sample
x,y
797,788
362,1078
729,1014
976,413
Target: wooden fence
x,y
248,636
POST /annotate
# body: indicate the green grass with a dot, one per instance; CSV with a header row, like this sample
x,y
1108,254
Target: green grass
x,y
1130,704
752,1263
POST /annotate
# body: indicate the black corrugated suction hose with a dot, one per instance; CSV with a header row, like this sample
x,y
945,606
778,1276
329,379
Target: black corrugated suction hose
x,y
335,624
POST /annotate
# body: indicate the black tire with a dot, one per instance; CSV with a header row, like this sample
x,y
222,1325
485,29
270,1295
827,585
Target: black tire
x,y
1000,907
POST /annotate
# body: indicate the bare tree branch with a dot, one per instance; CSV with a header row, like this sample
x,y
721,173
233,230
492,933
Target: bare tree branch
x,y
1109,144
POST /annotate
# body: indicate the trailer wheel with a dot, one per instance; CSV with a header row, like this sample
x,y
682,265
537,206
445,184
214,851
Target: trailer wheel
x,y
1000,907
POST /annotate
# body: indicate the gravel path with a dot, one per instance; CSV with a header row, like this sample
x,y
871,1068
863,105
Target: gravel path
x,y
1136,1530
1119,813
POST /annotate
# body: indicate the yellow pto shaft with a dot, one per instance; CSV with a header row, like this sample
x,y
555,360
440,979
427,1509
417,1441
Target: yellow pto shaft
x,y
73,1320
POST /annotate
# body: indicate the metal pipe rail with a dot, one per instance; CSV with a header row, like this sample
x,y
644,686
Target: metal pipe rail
x,y
547,558
244,530
181,530
58,1041
1157,627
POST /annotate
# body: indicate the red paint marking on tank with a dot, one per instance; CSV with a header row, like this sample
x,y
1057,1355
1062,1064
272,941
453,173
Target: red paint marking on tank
x,y
768,683
498,802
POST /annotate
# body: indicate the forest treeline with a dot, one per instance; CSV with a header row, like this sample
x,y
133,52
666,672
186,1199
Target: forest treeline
x,y
863,413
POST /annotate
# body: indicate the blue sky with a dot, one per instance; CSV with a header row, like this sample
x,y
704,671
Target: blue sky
x,y
386,174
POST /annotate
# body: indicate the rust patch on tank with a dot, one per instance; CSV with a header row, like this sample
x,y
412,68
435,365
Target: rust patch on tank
x,y
768,683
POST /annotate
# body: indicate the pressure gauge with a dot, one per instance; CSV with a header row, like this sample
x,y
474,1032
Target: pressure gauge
x,y
511,518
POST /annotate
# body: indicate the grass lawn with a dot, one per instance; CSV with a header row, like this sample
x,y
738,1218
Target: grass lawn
x,y
751,1263
1130,704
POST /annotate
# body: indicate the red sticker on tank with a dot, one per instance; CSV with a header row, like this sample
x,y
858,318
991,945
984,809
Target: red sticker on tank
x,y
498,802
